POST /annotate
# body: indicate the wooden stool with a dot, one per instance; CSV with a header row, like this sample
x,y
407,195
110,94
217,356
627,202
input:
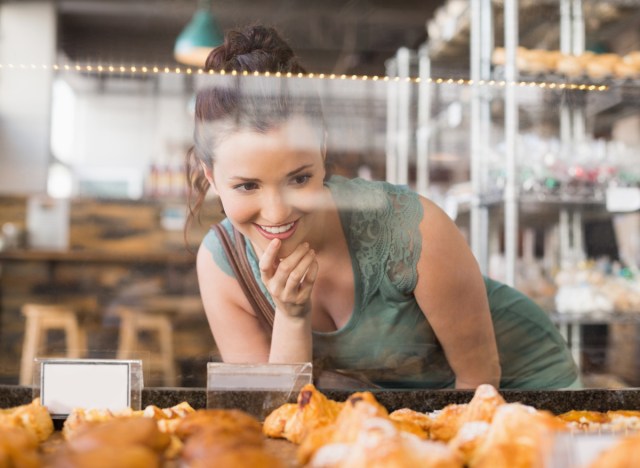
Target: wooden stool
x,y
132,322
40,319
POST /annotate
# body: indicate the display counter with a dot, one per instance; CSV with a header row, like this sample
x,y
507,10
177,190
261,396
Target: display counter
x,y
556,401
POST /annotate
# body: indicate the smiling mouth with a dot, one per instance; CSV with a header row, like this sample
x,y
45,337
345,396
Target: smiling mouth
x,y
277,229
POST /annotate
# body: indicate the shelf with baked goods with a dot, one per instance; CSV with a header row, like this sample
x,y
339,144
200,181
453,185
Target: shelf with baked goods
x,y
539,25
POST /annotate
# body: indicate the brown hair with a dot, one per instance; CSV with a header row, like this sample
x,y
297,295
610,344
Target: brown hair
x,y
226,105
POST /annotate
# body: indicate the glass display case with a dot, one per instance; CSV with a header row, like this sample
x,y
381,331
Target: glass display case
x,y
528,159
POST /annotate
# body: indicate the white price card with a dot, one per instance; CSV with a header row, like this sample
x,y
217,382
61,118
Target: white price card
x,y
66,384
623,199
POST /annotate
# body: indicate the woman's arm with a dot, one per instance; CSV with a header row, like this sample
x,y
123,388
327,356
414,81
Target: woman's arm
x,y
235,327
290,282
452,295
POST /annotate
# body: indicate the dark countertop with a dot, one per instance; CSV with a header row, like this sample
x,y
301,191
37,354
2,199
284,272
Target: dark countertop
x,y
557,401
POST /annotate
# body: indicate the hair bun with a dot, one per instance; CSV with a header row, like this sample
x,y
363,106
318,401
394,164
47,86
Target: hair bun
x,y
257,48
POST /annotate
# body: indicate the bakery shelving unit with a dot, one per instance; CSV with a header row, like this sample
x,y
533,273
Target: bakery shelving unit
x,y
579,106
586,100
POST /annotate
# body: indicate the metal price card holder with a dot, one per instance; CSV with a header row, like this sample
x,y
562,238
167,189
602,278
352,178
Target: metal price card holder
x,y
106,384
257,389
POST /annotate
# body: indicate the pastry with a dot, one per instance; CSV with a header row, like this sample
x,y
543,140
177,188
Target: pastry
x,y
483,405
447,422
570,66
518,437
166,418
468,438
18,447
230,421
407,420
33,417
119,432
128,456
275,423
355,414
381,444
312,410
229,438
622,454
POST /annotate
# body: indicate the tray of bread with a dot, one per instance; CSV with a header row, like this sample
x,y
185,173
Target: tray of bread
x,y
317,431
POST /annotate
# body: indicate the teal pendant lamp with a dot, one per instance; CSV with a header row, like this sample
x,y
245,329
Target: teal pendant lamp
x,y
198,37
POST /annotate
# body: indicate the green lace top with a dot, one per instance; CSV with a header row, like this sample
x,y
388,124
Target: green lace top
x,y
388,339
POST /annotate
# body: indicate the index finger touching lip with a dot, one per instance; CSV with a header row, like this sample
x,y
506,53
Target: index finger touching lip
x,y
270,254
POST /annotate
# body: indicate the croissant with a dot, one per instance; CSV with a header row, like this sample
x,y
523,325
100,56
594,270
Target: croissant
x,y
381,444
18,447
622,454
518,437
33,417
313,410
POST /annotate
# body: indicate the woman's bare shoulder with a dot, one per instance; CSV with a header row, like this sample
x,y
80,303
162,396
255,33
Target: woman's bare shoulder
x,y
217,286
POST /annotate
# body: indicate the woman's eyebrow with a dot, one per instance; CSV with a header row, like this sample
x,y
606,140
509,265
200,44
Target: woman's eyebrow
x,y
300,169
244,179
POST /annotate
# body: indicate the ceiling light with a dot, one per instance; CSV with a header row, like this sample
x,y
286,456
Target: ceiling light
x,y
198,37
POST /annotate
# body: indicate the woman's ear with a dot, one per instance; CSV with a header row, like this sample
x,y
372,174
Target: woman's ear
x,y
209,176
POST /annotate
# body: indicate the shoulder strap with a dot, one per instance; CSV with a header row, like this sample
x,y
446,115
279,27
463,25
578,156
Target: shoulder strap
x,y
237,256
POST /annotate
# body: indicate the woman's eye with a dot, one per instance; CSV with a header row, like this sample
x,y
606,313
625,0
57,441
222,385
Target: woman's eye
x,y
301,179
246,187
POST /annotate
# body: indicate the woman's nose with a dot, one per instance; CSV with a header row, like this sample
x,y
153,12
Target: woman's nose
x,y
276,208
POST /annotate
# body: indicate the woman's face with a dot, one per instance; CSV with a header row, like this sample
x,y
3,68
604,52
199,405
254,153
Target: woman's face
x,y
271,184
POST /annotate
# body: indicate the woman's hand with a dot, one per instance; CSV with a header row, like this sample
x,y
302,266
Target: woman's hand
x,y
290,280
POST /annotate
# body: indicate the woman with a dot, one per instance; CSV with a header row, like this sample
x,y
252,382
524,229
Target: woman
x,y
363,276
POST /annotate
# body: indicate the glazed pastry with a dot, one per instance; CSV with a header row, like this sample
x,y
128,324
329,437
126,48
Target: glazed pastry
x,y
518,437
314,441
128,442
623,454
623,69
381,444
584,420
18,447
33,417
119,432
422,420
128,456
240,458
483,405
168,418
357,410
219,421
225,448
275,423
165,417
312,410
570,66
469,438
229,438
498,56
447,422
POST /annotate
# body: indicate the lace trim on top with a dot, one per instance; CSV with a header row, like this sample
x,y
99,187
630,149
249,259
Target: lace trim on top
x,y
382,224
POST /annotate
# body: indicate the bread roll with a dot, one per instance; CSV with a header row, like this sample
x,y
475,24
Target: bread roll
x,y
119,432
570,66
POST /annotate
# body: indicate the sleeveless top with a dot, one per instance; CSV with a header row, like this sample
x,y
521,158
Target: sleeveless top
x,y
388,338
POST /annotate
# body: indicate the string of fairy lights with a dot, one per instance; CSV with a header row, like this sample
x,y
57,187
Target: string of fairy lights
x,y
155,70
